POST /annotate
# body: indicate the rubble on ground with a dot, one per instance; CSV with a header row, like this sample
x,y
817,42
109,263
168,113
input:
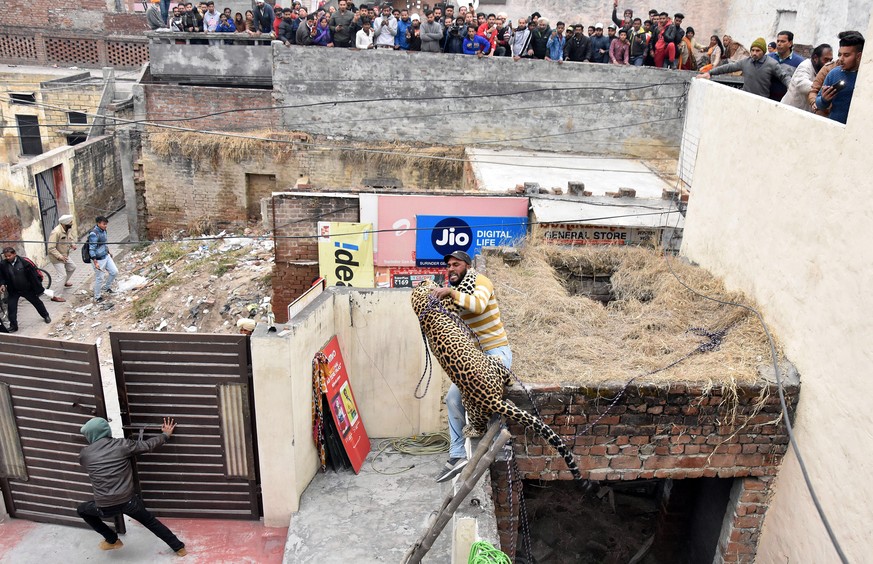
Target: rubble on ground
x,y
202,284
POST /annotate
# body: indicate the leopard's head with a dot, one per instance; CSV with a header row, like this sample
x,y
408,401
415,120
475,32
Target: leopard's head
x,y
421,295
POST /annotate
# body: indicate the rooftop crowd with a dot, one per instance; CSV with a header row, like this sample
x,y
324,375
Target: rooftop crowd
x,y
775,70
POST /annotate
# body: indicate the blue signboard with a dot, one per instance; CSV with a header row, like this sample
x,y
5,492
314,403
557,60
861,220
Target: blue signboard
x,y
439,235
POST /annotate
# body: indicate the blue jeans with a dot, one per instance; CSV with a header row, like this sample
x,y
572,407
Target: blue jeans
x,y
638,61
94,516
456,411
165,10
104,266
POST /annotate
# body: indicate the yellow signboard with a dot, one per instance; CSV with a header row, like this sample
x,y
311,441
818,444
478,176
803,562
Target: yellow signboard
x,y
345,254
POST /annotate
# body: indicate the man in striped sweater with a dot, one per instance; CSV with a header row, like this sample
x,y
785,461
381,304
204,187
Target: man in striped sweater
x,y
474,293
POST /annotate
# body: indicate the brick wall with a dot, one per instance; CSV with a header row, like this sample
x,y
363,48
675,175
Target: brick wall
x,y
85,15
81,98
297,259
96,181
166,102
69,46
677,432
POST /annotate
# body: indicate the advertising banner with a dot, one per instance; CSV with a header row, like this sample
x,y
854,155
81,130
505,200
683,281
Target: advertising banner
x,y
439,235
344,408
345,253
397,214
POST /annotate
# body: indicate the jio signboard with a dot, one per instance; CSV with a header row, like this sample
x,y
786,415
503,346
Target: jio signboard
x,y
439,235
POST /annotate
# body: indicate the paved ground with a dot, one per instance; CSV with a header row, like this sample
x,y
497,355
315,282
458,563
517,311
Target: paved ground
x,y
30,324
371,517
208,541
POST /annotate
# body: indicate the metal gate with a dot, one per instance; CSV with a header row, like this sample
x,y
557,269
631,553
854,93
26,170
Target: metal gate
x,y
48,204
208,469
48,390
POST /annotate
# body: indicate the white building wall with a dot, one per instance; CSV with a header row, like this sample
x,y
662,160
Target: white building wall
x,y
816,21
780,209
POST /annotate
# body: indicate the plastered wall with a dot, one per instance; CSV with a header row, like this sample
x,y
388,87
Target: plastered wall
x,y
381,345
781,213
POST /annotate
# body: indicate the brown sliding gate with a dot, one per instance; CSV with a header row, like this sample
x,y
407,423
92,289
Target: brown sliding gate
x,y
208,469
48,390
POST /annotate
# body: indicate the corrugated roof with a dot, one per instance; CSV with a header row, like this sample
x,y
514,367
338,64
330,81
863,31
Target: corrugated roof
x,y
606,211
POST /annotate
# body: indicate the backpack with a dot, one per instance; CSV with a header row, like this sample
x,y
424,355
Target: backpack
x,y
37,270
86,253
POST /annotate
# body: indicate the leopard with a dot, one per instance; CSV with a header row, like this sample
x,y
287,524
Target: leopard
x,y
481,378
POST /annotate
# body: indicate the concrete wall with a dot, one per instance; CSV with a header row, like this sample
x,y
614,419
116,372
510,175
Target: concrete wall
x,y
383,379
784,225
95,177
816,21
92,187
244,64
601,109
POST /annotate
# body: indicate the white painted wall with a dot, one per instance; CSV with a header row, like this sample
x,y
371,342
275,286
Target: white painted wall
x,y
782,212
817,21
381,344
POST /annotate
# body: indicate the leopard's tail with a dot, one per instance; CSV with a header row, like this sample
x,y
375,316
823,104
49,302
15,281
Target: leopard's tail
x,y
512,412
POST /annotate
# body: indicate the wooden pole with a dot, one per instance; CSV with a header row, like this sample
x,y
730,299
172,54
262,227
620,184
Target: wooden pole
x,y
479,463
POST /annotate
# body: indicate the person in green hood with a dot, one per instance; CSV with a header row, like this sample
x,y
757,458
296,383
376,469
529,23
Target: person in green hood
x,y
108,463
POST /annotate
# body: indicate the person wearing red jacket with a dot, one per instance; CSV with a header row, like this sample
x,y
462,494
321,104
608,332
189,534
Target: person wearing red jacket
x,y
488,30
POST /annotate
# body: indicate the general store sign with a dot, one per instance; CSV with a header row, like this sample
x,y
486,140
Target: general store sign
x,y
575,234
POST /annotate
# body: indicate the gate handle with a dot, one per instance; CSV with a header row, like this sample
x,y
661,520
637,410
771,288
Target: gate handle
x,y
140,428
89,410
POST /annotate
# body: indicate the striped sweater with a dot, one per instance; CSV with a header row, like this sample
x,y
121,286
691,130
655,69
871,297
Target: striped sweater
x,y
481,313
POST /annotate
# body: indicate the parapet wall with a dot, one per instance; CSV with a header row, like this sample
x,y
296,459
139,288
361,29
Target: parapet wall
x,y
490,102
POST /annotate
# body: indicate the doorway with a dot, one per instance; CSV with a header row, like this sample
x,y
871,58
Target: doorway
x,y
258,187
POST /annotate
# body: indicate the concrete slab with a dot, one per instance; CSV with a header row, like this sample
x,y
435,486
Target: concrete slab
x,y
374,516
208,541
501,171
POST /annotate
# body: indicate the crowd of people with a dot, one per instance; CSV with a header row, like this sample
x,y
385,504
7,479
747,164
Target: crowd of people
x,y
659,41
774,70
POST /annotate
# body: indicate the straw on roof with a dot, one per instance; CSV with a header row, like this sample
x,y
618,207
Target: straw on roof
x,y
558,337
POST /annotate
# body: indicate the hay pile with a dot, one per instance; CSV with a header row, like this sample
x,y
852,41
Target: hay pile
x,y
430,160
557,337
217,148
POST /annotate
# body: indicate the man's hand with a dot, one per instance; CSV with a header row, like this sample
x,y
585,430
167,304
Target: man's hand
x,y
828,93
530,52
441,293
169,426
615,3
2,288
480,54
704,75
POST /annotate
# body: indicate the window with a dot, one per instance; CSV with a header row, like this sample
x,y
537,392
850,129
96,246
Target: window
x,y
28,132
77,118
76,138
25,99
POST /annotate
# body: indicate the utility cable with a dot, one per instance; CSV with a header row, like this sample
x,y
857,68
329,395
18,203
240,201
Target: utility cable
x,y
785,414
364,232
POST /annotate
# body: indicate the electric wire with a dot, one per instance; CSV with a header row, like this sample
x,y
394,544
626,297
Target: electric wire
x,y
374,151
363,232
785,413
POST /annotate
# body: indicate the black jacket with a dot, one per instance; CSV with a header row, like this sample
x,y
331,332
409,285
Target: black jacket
x,y
108,463
20,277
539,41
577,49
